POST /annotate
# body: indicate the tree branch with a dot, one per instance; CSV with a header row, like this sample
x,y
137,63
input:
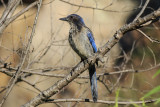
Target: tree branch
x,y
101,101
81,67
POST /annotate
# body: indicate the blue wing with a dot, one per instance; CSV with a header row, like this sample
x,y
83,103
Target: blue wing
x,y
91,39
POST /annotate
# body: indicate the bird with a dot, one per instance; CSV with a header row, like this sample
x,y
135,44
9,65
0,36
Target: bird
x,y
83,43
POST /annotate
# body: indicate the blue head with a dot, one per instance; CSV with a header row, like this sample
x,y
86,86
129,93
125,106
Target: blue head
x,y
74,19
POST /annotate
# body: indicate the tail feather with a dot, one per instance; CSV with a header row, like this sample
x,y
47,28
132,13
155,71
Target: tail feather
x,y
93,81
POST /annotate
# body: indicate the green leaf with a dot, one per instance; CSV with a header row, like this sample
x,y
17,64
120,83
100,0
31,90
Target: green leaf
x,y
135,105
143,104
116,100
157,73
153,91
158,101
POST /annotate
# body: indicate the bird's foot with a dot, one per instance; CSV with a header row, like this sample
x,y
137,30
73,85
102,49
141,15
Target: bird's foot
x,y
91,61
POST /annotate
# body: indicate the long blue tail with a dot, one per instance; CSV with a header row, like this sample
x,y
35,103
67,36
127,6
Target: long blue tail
x,y
93,81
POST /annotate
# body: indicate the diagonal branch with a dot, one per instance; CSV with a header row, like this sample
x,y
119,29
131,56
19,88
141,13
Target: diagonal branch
x,y
82,66
142,10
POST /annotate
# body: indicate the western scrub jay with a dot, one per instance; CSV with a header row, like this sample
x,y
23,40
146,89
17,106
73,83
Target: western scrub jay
x,y
82,42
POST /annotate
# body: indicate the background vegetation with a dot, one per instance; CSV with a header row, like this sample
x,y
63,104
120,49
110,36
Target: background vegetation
x,y
35,54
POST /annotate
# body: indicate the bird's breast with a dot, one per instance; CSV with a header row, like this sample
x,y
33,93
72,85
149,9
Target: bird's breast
x,y
80,44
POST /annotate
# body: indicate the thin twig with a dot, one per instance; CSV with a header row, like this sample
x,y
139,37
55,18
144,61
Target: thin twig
x,y
154,57
95,8
144,54
148,37
102,101
142,10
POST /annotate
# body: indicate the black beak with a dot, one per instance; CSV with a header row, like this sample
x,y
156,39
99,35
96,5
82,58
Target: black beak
x,y
63,19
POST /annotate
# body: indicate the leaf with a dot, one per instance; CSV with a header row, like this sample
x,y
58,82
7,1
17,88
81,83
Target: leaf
x,y
116,100
153,91
158,101
135,105
157,73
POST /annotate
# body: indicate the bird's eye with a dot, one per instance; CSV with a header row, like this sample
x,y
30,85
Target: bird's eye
x,y
71,17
